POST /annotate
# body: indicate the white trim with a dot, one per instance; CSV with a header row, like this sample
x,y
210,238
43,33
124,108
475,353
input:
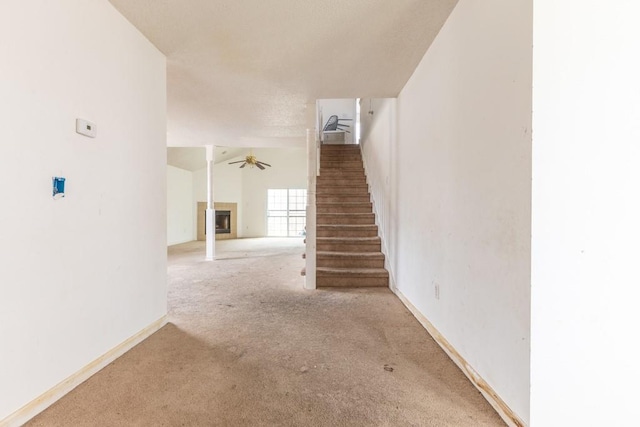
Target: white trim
x,y
310,238
489,394
42,402
210,216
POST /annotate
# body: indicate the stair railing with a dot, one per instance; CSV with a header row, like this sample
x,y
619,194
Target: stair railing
x,y
313,170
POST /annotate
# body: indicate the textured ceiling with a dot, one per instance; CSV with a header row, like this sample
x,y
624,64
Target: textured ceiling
x,y
248,72
194,158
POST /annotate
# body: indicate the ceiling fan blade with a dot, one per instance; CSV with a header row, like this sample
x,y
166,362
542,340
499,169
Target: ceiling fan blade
x,y
263,163
243,165
260,166
239,161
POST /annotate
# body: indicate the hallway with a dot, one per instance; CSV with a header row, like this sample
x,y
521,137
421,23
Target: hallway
x,y
246,345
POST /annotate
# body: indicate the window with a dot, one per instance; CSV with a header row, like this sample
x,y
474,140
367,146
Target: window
x,y
286,212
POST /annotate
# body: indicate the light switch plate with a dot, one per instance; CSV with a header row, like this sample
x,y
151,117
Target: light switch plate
x,y
85,127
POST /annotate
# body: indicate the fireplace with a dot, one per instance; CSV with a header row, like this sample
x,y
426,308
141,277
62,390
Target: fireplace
x,y
223,222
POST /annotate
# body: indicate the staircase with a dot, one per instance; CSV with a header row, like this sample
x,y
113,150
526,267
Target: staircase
x,y
348,247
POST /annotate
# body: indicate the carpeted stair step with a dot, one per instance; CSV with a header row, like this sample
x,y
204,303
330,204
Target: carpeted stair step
x,y
349,259
343,164
338,157
342,173
352,156
347,207
351,218
342,198
346,189
346,164
336,181
351,277
340,147
348,244
342,179
348,247
340,230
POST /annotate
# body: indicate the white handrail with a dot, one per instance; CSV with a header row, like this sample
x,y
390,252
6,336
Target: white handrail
x,y
312,173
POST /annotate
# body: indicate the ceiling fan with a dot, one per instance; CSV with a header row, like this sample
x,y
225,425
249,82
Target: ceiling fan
x,y
252,161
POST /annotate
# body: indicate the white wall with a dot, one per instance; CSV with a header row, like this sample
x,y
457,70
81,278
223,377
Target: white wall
x,y
227,188
200,195
586,210
457,203
289,170
180,207
79,275
248,186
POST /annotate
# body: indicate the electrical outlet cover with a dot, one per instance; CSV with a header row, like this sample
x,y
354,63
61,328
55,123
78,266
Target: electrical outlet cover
x,y
58,187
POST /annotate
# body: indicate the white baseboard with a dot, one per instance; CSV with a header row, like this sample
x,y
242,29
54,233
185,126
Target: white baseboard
x,y
489,394
42,402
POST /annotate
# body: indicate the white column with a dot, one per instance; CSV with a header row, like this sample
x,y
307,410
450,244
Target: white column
x,y
312,159
211,213
585,209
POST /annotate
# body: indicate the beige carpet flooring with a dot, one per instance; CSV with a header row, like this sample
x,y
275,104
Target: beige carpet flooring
x,y
247,346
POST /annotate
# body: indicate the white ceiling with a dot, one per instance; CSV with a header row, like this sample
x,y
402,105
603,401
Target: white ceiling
x,y
194,158
248,72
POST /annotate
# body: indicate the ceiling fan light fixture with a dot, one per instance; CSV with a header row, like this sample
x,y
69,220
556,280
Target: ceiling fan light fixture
x,y
252,161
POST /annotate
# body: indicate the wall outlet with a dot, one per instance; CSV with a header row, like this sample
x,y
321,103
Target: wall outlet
x,y
437,290
58,187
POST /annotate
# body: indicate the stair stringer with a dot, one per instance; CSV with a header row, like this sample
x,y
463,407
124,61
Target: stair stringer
x,y
382,231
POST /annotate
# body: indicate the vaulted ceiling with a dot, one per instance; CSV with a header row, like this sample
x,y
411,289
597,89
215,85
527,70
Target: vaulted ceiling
x,y
248,72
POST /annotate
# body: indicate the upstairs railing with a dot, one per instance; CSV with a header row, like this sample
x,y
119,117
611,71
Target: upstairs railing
x,y
313,171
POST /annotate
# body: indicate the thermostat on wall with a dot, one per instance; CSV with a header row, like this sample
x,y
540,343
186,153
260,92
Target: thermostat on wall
x,y
85,127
